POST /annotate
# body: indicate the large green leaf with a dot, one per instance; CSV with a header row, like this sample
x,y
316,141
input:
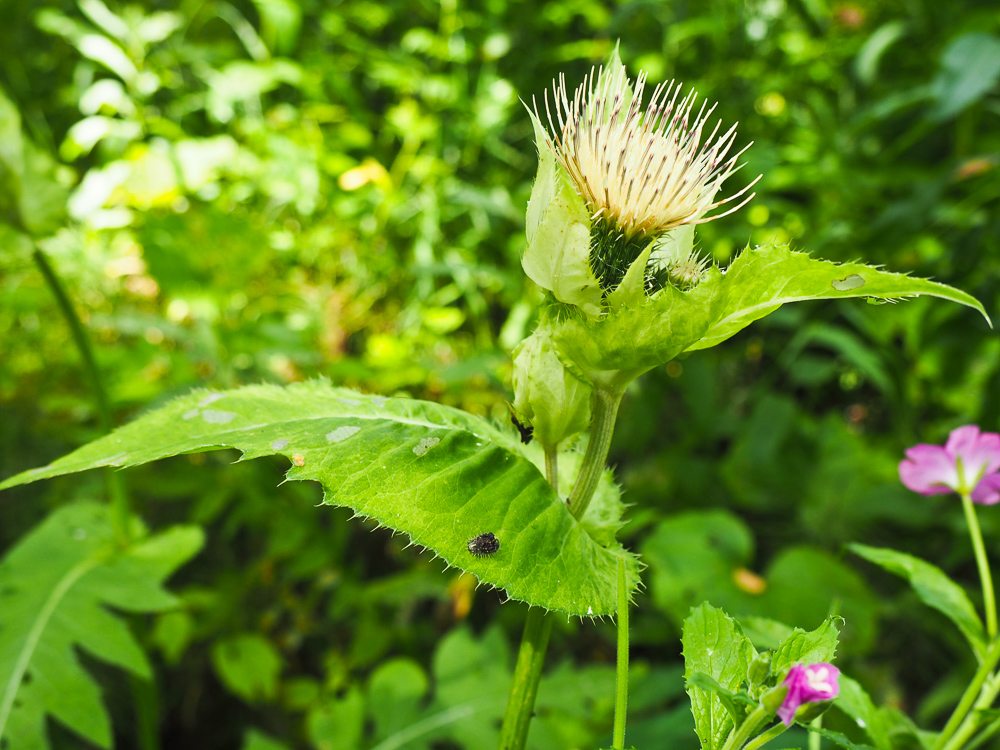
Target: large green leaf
x,y
438,474
55,589
934,588
713,645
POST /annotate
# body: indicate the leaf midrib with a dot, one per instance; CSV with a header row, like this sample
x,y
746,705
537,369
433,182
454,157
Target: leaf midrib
x,y
55,597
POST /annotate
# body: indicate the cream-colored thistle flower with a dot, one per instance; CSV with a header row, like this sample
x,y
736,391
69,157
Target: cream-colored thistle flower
x,y
641,173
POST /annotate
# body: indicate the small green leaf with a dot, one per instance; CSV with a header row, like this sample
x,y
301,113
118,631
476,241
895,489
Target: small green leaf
x,y
56,587
438,474
934,588
731,699
715,645
802,647
248,665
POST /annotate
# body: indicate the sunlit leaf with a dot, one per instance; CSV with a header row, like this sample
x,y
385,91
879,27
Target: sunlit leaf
x,y
440,475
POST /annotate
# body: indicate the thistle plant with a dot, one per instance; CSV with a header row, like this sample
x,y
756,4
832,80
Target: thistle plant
x,y
610,225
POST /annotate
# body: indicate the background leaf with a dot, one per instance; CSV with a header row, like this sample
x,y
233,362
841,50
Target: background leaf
x,y
934,588
56,587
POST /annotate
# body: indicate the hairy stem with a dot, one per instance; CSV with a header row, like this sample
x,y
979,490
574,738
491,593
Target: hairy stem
x,y
527,674
116,486
621,672
530,657
989,602
606,403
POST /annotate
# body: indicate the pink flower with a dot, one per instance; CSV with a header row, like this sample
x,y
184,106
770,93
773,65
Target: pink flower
x,y
808,684
969,461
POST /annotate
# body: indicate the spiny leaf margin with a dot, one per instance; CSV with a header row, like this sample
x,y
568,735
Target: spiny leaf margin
x,y
438,474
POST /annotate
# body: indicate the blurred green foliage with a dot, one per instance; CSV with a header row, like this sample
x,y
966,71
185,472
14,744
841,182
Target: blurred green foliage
x,y
237,192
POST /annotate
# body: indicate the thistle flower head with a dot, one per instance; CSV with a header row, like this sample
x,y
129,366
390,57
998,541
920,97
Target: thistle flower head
x,y
640,172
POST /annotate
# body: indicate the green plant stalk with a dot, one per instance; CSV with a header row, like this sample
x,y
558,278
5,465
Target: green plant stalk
x,y
606,403
527,674
552,466
144,699
977,688
746,730
531,655
538,627
814,738
116,486
989,602
985,735
621,670
765,737
971,723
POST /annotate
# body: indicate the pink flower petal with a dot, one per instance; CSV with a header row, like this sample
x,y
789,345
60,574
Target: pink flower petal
x,y
929,470
987,492
808,684
980,452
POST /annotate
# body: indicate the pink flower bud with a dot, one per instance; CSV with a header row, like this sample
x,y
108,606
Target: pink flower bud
x,y
808,684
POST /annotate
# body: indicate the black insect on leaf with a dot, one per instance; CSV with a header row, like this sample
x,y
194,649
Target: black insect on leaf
x,y
526,430
484,544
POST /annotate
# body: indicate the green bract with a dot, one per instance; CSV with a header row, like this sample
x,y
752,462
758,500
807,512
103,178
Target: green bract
x,y
638,332
557,257
437,474
546,394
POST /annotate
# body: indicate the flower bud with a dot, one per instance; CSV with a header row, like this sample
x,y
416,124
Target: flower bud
x,y
547,395
759,669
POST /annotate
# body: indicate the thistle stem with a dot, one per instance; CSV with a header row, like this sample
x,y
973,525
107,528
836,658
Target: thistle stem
x,y
116,486
530,656
527,674
621,672
989,602
552,466
606,403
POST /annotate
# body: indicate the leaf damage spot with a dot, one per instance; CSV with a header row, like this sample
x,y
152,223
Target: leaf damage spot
x,y
218,417
211,399
342,433
350,401
846,284
425,445
190,414
277,445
